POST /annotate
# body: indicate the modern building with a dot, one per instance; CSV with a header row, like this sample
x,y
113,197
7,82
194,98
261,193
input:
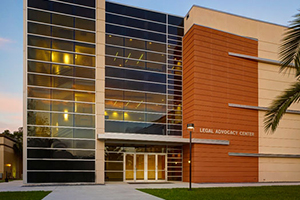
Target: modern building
x,y
10,162
109,90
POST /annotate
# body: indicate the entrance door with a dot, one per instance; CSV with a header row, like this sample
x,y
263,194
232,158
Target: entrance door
x,y
144,167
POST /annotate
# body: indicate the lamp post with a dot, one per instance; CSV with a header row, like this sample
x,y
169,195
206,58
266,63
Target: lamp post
x,y
191,128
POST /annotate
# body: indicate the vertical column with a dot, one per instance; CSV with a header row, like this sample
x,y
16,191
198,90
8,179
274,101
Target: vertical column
x,y
100,87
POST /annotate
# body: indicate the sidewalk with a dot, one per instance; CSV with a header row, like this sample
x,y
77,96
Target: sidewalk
x,y
117,191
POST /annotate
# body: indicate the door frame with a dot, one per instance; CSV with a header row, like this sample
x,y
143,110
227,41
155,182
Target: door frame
x,y
145,167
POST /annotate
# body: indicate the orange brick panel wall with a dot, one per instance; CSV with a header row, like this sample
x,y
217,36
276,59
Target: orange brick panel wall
x,y
211,80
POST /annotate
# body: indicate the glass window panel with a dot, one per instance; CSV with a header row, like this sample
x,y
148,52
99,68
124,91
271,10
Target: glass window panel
x,y
175,127
84,133
84,85
174,92
116,40
60,177
84,48
113,176
61,143
113,156
61,94
175,42
173,37
174,122
177,133
36,15
155,108
60,165
63,45
176,48
90,3
84,108
113,94
39,131
39,54
33,104
175,72
174,87
85,36
134,43
113,61
174,52
156,118
177,112
134,106
114,166
115,51
62,70
135,12
125,21
84,24
175,30
59,154
113,115
85,60
62,106
134,96
84,72
131,127
156,67
134,64
142,34
130,116
65,58
62,20
62,33
156,98
39,93
39,67
153,46
175,57
83,96
39,80
178,21
62,132
39,41
113,105
61,119
59,82
39,29
38,118
156,57
174,82
84,121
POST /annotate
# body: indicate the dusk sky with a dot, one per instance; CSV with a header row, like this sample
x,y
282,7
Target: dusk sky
x,y
11,39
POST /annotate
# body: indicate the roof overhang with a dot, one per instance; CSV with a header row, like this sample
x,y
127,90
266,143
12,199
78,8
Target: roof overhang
x,y
161,139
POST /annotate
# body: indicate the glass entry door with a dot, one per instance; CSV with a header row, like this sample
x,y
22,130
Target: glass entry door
x,y
144,167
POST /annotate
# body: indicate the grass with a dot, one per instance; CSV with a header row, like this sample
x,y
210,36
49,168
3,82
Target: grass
x,y
240,193
33,195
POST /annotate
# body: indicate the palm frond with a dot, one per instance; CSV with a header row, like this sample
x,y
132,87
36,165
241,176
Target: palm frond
x,y
280,105
290,47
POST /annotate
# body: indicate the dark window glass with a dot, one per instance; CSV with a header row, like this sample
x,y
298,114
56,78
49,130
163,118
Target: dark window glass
x,y
177,48
174,57
39,29
62,8
60,132
135,12
60,177
175,127
63,33
137,75
113,176
175,77
85,36
175,112
60,154
62,20
60,165
90,3
61,143
135,23
117,156
174,52
40,16
172,37
62,45
131,127
174,72
174,178
84,24
39,93
174,92
135,33
178,21
174,122
179,43
174,87
132,85
38,118
114,166
174,97
175,30
174,82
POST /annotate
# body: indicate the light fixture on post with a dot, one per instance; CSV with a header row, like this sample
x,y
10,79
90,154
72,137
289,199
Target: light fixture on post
x,y
190,127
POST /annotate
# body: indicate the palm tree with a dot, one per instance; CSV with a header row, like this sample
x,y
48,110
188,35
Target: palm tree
x,y
290,59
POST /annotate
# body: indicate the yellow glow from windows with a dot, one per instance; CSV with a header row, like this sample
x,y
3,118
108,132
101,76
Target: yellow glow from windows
x,y
125,115
66,116
150,42
8,165
130,39
179,63
109,36
105,113
66,59
57,71
115,114
56,125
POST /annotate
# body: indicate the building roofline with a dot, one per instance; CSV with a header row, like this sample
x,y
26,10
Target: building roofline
x,y
236,15
7,137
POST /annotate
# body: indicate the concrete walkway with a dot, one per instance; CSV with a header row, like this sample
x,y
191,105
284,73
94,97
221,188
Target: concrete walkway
x,y
115,191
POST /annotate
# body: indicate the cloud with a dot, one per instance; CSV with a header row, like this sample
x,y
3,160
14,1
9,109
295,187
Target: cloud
x,y
4,41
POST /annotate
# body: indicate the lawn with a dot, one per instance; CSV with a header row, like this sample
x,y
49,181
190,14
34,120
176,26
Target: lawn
x,y
34,195
240,193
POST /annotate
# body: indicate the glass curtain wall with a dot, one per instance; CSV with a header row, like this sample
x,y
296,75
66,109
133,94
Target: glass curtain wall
x,y
143,85
61,91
